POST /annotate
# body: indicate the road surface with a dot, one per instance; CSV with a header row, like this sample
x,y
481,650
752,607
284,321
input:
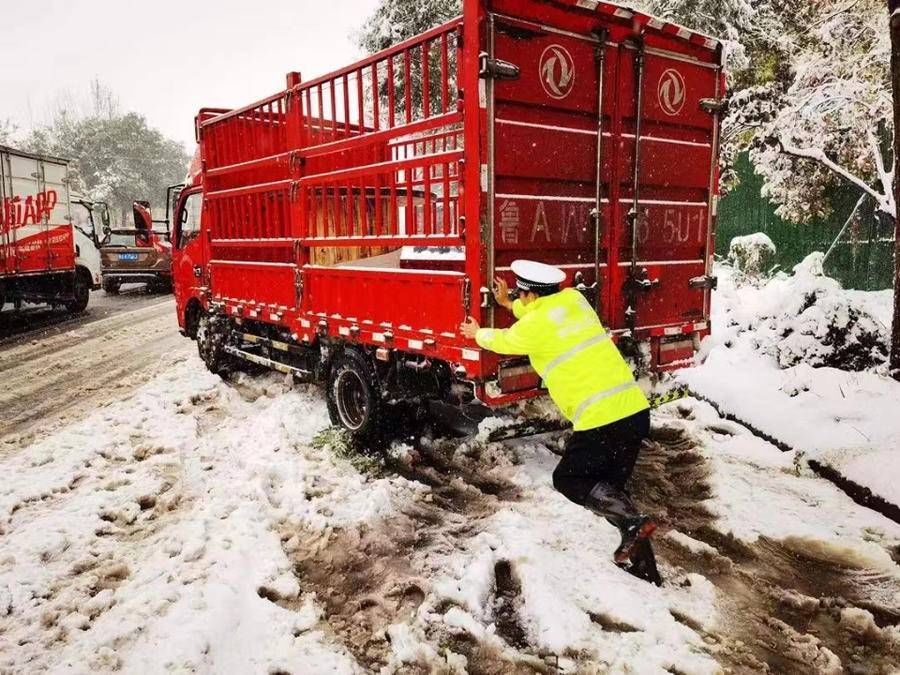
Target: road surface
x,y
54,367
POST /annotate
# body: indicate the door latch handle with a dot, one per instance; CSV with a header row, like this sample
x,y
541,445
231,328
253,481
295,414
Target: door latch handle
x,y
641,281
497,69
198,271
709,282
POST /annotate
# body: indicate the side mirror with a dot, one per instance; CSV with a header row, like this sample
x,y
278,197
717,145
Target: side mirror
x,y
104,218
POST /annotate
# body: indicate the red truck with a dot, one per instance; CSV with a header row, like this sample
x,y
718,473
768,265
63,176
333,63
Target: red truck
x,y
44,256
340,230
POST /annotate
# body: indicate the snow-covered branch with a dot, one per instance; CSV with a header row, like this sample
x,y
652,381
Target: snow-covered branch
x,y
884,176
885,203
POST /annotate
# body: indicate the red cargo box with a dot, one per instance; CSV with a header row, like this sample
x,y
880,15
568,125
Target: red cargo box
x,y
574,132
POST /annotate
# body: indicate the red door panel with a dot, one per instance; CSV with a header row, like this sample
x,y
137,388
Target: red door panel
x,y
545,139
676,155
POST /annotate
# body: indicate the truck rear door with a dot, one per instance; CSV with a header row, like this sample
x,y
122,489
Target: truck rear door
x,y
58,217
666,203
544,151
566,133
6,258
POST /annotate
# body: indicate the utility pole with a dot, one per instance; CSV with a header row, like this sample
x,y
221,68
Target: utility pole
x,y
894,9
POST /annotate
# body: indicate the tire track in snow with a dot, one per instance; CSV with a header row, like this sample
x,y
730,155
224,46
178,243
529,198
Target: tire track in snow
x,y
376,574
786,608
66,375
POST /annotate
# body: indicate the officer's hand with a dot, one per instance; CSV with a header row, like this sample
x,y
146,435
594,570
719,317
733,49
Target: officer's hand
x,y
501,293
469,327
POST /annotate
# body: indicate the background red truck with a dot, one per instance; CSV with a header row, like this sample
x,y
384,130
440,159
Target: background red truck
x,y
40,260
343,228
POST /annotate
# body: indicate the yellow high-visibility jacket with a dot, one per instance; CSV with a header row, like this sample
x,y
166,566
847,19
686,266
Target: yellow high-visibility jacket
x,y
569,348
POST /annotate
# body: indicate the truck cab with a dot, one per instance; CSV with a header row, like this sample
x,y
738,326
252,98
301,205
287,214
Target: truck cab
x,y
190,256
88,219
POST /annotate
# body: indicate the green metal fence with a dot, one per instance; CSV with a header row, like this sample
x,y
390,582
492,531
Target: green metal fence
x,y
862,258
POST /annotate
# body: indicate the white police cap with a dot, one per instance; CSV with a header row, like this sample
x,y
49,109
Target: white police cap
x,y
534,276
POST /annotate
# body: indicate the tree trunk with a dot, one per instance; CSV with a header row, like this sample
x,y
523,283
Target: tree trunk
x,y
894,9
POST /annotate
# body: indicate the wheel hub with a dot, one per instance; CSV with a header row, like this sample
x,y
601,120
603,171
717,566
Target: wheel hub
x,y
351,399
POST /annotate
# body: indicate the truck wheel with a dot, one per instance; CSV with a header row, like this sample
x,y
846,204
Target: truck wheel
x,y
111,287
81,294
353,399
211,335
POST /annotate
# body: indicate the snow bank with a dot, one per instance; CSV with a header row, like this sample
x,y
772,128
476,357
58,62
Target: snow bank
x,y
802,318
753,254
771,362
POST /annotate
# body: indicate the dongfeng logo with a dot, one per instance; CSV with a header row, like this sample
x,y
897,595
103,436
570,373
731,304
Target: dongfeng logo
x,y
557,72
671,92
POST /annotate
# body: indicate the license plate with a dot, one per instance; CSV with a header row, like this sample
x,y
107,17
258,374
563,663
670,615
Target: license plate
x,y
128,256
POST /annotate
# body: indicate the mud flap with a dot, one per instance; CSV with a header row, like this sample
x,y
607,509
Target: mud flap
x,y
459,420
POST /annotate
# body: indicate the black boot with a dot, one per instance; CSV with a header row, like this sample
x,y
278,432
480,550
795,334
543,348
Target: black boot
x,y
643,563
634,530
617,508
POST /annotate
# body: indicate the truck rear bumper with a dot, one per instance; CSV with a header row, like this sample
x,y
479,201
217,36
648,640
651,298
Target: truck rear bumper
x,y
135,275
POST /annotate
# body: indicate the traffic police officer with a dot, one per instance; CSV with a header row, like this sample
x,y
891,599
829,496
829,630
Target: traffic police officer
x,y
594,388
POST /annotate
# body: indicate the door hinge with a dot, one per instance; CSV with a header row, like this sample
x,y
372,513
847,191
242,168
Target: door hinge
x,y
497,69
714,106
710,282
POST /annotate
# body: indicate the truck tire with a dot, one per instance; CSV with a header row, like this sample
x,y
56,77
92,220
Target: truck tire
x,y
81,294
353,398
111,287
211,340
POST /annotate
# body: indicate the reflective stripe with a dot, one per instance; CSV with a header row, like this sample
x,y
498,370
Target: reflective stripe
x,y
599,397
577,349
489,335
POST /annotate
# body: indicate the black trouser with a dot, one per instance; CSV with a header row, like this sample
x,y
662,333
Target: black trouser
x,y
593,472
602,459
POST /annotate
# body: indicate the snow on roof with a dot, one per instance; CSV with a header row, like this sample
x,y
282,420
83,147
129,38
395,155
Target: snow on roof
x,y
667,27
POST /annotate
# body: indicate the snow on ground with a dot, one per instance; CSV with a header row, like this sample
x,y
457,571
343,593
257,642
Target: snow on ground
x,y
759,367
195,527
139,538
